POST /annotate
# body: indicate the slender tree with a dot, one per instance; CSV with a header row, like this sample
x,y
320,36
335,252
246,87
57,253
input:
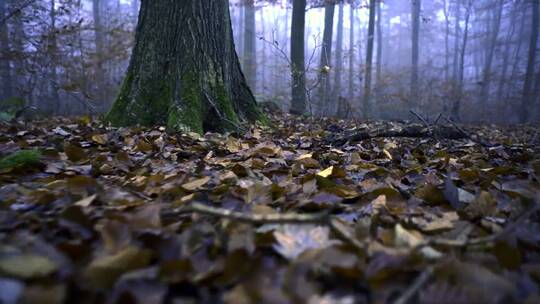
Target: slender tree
x,y
326,55
184,71
298,57
494,28
351,52
250,44
5,65
369,60
456,107
99,41
338,60
416,8
528,97
53,53
379,43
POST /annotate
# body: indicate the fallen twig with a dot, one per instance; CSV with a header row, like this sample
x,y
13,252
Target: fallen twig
x,y
413,131
467,135
485,239
428,126
257,219
418,283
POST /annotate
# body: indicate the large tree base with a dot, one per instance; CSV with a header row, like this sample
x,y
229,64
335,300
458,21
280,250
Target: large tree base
x,y
186,75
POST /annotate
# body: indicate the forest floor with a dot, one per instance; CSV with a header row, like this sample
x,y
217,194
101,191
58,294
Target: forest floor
x,y
305,211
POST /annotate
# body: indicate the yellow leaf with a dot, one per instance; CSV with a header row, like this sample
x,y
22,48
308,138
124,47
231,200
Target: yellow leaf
x,y
27,266
87,201
326,172
101,139
103,272
196,184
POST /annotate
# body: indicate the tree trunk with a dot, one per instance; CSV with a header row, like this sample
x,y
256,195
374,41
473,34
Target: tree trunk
x,y
5,66
339,61
369,60
99,41
298,25
506,52
351,53
326,55
184,72
456,42
379,44
528,97
456,108
18,47
446,42
250,45
416,7
53,52
492,41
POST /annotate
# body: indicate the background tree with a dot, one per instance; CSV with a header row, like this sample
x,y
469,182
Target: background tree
x,y
528,98
416,8
298,104
369,60
326,55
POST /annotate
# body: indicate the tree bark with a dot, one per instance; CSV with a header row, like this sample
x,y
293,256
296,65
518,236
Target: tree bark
x,y
250,44
99,41
456,107
326,55
506,52
298,25
184,72
369,60
339,61
53,52
351,53
528,97
494,34
456,42
5,66
446,42
379,44
416,7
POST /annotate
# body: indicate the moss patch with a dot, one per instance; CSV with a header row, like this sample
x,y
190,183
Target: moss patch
x,y
187,116
23,158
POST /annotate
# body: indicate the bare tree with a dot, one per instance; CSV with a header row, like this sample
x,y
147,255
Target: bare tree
x,y
298,105
5,66
528,97
416,7
326,55
492,45
338,61
456,108
369,60
351,52
250,57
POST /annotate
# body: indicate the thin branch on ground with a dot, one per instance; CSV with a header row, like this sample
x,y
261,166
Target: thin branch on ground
x,y
485,240
323,219
428,126
466,134
418,283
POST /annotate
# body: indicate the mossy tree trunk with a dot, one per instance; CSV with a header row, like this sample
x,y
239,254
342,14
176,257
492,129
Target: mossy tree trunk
x,y
184,72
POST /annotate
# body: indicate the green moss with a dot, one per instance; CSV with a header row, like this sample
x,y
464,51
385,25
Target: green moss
x,y
20,159
147,107
229,119
188,115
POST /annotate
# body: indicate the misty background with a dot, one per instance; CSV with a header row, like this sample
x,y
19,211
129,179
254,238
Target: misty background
x,y
67,57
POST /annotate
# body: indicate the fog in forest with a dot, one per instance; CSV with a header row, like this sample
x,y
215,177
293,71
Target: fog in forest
x,y
475,61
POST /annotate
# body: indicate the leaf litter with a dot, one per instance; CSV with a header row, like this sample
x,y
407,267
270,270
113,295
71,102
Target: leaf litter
x,y
300,212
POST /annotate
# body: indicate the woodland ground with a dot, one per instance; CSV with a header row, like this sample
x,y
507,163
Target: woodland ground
x,y
303,211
